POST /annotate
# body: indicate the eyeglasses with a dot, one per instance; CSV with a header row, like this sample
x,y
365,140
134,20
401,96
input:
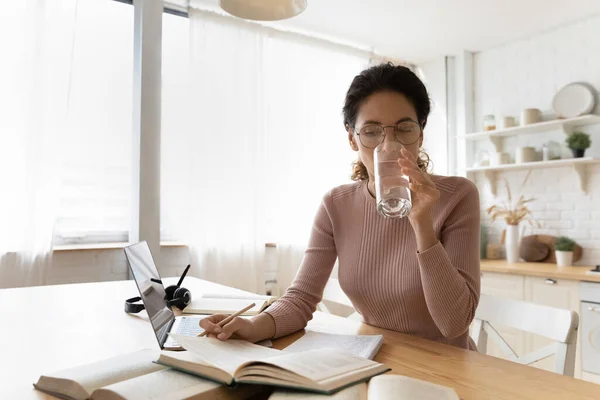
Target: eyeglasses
x,y
372,135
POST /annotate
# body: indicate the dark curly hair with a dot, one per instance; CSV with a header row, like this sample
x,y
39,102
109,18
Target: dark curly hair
x,y
386,77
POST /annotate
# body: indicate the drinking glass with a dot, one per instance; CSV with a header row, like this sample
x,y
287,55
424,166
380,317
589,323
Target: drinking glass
x,y
391,184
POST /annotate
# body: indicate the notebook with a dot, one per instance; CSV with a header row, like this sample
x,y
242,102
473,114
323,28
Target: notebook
x,y
384,387
216,303
236,361
134,376
365,346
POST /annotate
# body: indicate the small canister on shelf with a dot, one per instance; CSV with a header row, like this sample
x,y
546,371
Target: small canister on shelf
x,y
500,158
525,154
530,116
545,153
507,122
489,122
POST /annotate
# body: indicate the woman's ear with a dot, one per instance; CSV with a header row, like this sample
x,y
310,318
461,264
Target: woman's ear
x,y
351,138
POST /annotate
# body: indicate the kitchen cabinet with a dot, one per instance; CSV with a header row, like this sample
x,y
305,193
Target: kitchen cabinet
x,y
559,293
506,286
503,285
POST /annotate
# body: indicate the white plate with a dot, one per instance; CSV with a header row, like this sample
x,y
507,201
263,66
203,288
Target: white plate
x,y
573,100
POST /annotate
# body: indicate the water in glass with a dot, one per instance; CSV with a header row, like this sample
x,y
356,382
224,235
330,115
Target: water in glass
x,y
391,185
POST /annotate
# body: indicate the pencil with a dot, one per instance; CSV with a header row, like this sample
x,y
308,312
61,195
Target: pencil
x,y
232,316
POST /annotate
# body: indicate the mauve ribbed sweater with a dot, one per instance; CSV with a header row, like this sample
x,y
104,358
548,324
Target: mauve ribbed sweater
x,y
431,294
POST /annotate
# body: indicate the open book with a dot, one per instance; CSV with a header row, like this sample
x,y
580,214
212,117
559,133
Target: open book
x,y
381,388
134,376
365,346
236,361
216,303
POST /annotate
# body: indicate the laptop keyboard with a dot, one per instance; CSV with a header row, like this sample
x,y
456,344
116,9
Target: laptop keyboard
x,y
189,327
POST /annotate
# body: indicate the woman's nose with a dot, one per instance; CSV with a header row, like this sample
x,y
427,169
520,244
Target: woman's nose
x,y
390,134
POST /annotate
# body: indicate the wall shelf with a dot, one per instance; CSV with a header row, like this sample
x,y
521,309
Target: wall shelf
x,y
566,125
578,165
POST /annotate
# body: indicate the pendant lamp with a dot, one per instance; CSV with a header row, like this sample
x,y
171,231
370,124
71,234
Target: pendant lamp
x,y
263,10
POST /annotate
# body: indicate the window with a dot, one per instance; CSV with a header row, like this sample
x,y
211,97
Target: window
x,y
95,189
176,109
253,136
288,104
95,193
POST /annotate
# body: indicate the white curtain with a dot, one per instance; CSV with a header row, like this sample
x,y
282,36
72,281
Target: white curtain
x,y
258,142
36,38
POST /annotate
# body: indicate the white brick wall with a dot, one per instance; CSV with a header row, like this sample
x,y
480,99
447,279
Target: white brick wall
x,y
527,74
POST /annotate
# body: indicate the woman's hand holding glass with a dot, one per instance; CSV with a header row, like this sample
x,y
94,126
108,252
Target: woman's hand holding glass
x,y
424,192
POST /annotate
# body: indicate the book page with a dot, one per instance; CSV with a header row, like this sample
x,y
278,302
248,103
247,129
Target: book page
x,y
223,306
249,296
361,345
227,355
404,388
355,392
318,365
106,372
167,384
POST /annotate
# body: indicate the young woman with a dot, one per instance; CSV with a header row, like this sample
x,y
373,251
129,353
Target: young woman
x,y
417,275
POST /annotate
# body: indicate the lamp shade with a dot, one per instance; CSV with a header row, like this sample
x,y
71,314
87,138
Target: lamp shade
x,y
263,10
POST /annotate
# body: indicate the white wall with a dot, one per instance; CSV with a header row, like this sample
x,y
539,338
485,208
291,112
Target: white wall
x,y
435,140
527,74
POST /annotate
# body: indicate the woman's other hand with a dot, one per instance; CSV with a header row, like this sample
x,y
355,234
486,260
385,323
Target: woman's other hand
x,y
237,328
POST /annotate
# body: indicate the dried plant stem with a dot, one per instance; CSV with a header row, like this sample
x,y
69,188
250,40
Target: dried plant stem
x,y
513,215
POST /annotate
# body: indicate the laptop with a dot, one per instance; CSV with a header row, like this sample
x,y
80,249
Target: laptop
x,y
153,296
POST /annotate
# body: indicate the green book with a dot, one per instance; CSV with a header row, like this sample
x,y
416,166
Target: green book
x,y
235,362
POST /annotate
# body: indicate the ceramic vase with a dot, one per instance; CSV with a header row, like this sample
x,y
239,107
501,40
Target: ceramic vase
x,y
512,243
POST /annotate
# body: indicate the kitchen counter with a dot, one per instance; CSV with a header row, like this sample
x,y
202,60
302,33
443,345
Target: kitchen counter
x,y
545,270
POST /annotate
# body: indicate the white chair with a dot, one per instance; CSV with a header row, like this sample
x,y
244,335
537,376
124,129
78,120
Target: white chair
x,y
553,323
333,293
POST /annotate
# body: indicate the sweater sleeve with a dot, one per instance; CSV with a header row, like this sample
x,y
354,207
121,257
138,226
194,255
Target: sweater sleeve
x,y
294,309
450,269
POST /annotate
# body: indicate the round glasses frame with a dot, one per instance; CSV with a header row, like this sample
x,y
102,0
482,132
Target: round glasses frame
x,y
397,133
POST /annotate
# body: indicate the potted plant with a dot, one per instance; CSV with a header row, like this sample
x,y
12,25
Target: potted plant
x,y
513,215
578,142
564,248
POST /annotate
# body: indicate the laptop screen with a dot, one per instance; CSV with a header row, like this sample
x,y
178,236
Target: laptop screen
x,y
151,289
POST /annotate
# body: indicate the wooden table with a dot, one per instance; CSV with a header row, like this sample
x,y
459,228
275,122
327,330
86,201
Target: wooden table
x,y
49,328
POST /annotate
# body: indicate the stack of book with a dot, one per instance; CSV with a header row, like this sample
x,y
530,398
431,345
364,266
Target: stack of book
x,y
316,365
